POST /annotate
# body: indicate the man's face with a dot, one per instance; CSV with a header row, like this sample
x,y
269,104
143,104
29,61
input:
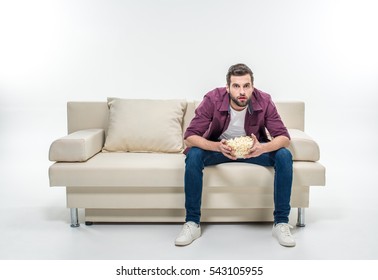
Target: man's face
x,y
240,90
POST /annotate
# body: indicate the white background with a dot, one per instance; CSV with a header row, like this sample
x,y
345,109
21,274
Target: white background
x,y
321,52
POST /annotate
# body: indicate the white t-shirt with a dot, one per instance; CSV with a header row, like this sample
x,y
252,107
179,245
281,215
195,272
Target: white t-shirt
x,y
236,126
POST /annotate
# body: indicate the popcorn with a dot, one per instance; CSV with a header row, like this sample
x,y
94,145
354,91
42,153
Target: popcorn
x,y
240,145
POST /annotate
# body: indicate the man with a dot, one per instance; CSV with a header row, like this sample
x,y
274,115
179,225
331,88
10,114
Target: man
x,y
239,109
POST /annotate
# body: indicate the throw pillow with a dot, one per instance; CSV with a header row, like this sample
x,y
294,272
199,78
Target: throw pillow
x,y
142,125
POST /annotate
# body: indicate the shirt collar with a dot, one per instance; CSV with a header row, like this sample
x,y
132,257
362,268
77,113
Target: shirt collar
x,y
255,104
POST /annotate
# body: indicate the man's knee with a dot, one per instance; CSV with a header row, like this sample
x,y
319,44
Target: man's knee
x,y
194,155
283,155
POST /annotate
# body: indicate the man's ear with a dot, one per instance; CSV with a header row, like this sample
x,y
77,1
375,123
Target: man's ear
x,y
228,88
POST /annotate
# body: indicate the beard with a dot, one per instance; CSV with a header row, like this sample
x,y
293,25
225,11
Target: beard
x,y
240,103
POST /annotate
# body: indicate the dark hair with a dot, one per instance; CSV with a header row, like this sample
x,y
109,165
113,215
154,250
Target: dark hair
x,y
239,69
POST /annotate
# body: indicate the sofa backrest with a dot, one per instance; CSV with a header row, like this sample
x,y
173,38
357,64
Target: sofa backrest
x,y
86,114
292,113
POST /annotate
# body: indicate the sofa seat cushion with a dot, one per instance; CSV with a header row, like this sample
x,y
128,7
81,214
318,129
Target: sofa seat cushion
x,y
167,170
121,169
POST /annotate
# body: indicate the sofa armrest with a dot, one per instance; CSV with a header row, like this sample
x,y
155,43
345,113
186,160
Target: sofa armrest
x,y
302,146
77,146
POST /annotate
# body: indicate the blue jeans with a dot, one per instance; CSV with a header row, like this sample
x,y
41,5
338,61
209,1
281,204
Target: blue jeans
x,y
197,159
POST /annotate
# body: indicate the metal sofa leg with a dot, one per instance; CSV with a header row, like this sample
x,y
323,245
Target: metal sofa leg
x,y
301,217
74,217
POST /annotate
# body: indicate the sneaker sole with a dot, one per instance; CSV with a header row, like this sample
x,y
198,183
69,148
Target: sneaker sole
x,y
177,243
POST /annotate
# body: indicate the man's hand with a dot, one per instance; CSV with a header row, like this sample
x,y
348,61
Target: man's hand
x,y
257,148
226,150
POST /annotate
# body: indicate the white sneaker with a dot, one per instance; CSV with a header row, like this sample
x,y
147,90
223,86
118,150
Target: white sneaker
x,y
190,232
282,232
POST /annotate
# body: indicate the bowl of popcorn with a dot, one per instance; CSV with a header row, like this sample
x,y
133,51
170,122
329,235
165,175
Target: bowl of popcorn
x,y
240,145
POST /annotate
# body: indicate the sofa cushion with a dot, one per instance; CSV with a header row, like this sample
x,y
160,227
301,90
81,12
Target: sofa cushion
x,y
167,170
140,125
121,169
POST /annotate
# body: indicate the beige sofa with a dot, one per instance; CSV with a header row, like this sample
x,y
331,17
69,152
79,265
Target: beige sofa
x,y
146,184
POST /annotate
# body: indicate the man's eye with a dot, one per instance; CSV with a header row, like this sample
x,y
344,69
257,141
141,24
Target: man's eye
x,y
247,86
236,86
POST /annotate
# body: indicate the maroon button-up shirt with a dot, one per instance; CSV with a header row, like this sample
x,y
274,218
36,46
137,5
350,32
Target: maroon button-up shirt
x,y
212,116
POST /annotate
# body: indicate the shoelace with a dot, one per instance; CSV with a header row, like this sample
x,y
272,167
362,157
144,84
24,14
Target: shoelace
x,y
185,230
285,229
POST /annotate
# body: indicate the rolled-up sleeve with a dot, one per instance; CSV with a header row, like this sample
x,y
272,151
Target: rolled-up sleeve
x,y
273,121
202,119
